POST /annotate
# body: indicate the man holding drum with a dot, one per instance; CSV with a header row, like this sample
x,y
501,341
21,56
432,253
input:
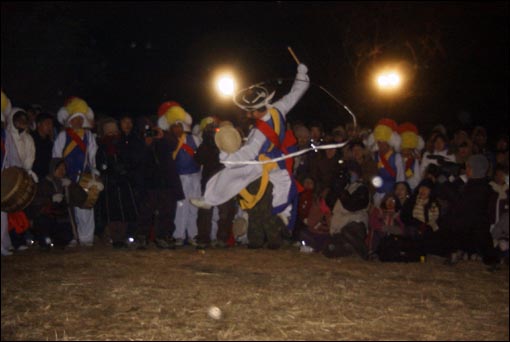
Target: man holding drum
x,y
18,152
78,148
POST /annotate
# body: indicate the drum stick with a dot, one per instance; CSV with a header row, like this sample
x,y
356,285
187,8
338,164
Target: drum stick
x,y
293,55
71,216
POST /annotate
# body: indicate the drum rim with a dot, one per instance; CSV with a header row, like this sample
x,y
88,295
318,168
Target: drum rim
x,y
19,179
6,202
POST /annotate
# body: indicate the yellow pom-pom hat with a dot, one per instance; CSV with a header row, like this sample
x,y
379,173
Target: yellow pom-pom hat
x,y
410,137
6,106
206,121
73,107
385,130
170,113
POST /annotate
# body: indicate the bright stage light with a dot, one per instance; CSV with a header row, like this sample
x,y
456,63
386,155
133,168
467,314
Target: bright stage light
x,y
389,80
225,84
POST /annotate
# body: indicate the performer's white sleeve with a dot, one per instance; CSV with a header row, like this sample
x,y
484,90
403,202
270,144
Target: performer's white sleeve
x,y
299,87
58,145
250,150
401,175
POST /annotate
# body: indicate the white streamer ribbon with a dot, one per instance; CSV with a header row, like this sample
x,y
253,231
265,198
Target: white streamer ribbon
x,y
291,155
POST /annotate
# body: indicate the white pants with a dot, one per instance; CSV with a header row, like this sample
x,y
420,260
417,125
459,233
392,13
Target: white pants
x,y
230,181
85,224
6,239
186,214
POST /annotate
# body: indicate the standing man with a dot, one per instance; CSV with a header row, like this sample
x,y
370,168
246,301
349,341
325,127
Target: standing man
x,y
78,147
385,141
411,146
159,188
19,152
174,119
43,141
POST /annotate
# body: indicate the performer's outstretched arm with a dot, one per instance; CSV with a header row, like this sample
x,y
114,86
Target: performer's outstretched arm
x,y
299,87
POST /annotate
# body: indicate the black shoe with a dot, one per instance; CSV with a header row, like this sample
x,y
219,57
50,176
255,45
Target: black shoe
x,y
161,243
201,246
164,244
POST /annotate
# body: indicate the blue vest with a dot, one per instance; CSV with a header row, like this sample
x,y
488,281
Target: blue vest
x,y
275,152
185,163
388,180
76,159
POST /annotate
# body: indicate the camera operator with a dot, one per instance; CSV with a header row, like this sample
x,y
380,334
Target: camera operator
x,y
160,187
440,152
117,201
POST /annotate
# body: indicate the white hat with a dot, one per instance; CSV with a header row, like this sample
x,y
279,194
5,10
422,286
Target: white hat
x,y
253,98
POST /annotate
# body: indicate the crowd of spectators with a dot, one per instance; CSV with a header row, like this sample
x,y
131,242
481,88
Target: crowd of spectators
x,y
391,193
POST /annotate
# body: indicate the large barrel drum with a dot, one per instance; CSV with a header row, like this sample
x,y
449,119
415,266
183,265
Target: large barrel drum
x,y
83,195
18,189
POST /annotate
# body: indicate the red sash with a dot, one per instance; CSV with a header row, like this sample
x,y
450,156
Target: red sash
x,y
289,140
387,166
268,132
409,163
77,139
188,149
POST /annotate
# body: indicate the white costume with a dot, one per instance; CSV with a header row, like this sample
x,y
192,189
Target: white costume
x,y
410,140
20,152
230,181
189,171
77,162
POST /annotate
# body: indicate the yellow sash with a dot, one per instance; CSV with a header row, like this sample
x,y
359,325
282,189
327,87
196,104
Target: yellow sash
x,y
182,139
249,200
387,156
69,148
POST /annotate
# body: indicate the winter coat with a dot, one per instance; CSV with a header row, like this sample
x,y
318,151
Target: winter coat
x,y
352,206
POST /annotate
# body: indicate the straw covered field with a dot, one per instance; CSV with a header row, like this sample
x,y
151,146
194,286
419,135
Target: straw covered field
x,y
103,294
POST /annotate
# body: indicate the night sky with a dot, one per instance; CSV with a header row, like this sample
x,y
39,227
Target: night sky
x,y
131,56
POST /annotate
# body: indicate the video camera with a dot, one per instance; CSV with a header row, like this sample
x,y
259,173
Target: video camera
x,y
447,168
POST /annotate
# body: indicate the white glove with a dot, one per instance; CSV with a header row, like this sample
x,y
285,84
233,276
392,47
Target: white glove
x,y
95,172
33,175
302,69
57,198
65,182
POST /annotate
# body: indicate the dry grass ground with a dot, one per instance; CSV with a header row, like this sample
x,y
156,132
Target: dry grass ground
x,y
103,294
